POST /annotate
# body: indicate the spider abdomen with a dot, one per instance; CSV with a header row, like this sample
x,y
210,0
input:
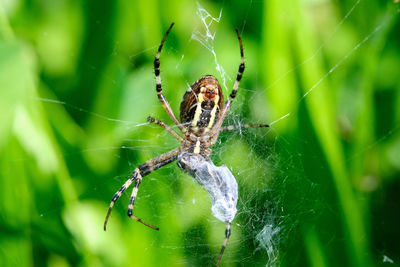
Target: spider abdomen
x,y
202,103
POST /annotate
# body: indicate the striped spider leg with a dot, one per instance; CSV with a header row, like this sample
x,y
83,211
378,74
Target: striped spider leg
x,y
160,95
227,104
141,171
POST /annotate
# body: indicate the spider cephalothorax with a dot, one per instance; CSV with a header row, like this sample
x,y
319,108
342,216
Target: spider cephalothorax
x,y
202,112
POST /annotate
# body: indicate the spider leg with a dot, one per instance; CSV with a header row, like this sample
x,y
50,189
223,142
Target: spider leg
x,y
166,127
141,171
232,96
117,195
160,95
240,71
132,202
242,126
227,235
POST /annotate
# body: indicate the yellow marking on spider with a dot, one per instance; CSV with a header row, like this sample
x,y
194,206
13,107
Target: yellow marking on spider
x,y
197,114
196,149
213,112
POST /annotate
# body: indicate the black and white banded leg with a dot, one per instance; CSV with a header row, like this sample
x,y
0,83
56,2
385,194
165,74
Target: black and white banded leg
x,y
160,95
132,202
141,171
117,195
232,96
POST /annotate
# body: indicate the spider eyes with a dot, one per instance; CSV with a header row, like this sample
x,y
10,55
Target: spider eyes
x,y
208,91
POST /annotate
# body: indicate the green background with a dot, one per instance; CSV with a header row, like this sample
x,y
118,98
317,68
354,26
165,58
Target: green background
x,y
320,187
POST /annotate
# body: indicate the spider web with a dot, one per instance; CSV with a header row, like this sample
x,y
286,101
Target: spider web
x,y
265,221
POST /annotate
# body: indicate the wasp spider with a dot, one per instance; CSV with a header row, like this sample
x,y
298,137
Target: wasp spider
x,y
202,113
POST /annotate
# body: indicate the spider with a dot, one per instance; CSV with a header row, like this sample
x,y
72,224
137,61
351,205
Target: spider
x,y
202,113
